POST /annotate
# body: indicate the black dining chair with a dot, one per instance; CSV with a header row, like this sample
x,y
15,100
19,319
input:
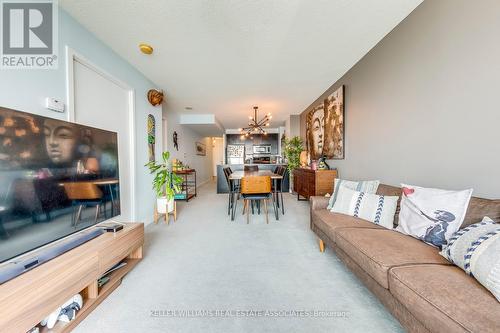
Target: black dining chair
x,y
227,172
251,168
281,170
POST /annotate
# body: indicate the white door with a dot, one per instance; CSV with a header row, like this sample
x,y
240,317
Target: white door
x,y
217,156
102,102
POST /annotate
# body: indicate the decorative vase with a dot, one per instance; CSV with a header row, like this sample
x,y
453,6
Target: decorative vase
x,y
164,205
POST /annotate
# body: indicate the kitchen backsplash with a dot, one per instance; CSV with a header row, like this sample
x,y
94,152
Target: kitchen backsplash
x,y
272,139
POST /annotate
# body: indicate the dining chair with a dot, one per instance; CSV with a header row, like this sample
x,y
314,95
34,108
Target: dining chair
x,y
83,194
251,168
258,189
227,172
279,188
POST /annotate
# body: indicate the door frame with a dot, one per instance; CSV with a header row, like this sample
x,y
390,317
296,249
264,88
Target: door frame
x,y
71,57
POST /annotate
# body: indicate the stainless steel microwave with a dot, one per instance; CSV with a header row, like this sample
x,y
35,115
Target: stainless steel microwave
x,y
262,149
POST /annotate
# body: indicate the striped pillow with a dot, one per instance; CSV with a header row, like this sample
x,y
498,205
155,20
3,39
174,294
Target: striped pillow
x,y
378,209
367,186
476,250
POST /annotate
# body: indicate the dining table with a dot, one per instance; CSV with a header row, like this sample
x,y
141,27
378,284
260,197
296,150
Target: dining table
x,y
236,176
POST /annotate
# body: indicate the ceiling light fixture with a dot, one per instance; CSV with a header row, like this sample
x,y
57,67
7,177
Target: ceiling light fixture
x,y
256,126
146,48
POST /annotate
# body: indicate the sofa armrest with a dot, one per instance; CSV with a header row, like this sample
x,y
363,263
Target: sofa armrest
x,y
318,202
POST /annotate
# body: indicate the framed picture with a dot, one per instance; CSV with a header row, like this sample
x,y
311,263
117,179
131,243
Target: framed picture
x,y
325,127
201,149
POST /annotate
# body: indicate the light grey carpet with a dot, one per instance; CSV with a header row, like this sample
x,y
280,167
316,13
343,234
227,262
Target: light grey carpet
x,y
205,262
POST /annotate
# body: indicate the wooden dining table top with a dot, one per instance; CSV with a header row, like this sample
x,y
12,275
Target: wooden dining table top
x,y
103,181
237,175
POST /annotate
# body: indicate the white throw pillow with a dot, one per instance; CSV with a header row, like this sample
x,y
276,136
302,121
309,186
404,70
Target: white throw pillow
x,y
432,215
476,250
367,186
378,209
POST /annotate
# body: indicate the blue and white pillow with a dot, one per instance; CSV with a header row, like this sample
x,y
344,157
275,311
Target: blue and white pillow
x,y
378,209
476,250
367,186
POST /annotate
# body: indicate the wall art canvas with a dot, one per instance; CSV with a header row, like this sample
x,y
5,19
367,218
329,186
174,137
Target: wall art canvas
x,y
151,137
325,127
201,149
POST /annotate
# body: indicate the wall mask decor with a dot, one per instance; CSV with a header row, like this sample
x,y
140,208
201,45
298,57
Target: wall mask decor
x,y
155,97
325,127
151,136
174,137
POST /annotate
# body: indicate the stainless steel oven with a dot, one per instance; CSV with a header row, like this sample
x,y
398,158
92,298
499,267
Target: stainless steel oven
x,y
262,149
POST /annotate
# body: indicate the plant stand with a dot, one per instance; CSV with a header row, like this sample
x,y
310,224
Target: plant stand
x,y
158,216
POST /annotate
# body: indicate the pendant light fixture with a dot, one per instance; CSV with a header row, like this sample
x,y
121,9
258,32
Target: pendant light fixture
x,y
256,126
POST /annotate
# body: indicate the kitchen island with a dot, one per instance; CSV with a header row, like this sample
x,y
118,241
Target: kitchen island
x,y
221,180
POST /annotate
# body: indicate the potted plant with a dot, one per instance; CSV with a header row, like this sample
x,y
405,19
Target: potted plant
x,y
165,183
293,148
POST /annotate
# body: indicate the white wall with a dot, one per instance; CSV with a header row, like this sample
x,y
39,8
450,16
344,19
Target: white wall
x,y
422,106
26,90
186,139
292,126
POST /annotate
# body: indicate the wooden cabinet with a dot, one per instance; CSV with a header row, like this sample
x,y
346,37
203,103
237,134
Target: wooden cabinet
x,y
30,297
307,182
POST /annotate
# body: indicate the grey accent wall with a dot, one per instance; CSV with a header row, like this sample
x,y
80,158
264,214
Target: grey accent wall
x,y
422,107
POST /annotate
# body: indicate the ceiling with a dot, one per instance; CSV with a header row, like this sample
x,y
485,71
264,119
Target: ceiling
x,y
224,56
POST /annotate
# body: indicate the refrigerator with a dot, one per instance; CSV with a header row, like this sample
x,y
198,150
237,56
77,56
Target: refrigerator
x,y
235,154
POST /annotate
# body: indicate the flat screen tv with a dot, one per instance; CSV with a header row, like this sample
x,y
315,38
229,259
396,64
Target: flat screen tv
x,y
56,178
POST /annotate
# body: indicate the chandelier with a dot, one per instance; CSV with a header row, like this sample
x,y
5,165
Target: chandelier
x,y
256,126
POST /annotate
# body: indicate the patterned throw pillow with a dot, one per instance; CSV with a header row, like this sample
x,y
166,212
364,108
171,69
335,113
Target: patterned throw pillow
x,y
378,209
432,215
476,250
367,186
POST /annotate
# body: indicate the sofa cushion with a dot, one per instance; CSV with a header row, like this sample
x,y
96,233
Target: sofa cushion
x,y
327,222
367,186
479,208
445,299
378,209
377,250
389,190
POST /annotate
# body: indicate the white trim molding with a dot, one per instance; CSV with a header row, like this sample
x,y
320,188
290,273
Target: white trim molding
x,y
71,57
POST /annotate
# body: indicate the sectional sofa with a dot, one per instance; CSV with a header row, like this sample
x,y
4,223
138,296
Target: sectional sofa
x,y
424,291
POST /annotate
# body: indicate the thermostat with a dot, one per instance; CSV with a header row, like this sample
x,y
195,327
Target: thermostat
x,y
54,104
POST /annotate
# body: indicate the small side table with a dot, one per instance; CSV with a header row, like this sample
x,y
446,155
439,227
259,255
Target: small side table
x,y
188,186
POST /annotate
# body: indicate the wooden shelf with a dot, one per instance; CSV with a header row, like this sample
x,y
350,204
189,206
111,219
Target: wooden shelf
x,y
29,298
119,274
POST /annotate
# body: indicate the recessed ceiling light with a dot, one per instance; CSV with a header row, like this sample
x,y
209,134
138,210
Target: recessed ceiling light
x,y
188,108
146,48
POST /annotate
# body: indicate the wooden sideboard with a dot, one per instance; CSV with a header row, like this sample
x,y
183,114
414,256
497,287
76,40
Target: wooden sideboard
x,y
30,297
307,182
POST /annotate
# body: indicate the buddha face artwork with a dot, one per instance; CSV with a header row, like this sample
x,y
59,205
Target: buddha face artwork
x,y
325,127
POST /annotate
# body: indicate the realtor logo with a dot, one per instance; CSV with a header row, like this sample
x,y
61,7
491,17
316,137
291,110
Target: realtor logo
x,y
29,34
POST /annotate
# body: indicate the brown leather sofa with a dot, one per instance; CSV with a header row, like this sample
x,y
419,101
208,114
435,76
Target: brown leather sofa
x,y
414,282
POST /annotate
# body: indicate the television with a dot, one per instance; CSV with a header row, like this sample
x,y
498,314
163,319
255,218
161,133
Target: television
x,y
56,178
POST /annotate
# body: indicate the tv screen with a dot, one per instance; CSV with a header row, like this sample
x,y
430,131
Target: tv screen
x,y
56,178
